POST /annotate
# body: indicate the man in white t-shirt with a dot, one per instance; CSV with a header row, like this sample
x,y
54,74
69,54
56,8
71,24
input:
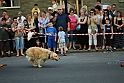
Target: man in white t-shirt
x,y
20,16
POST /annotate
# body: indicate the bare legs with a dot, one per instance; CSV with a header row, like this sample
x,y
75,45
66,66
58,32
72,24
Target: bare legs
x,y
54,49
21,52
72,44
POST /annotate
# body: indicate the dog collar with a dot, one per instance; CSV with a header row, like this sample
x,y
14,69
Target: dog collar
x,y
49,55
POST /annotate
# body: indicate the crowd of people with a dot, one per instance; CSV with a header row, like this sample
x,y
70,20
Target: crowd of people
x,y
56,30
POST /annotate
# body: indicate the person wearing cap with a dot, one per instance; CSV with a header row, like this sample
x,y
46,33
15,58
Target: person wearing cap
x,y
51,15
50,8
63,20
20,16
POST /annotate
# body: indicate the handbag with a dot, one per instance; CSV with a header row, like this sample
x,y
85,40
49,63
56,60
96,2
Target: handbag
x,y
78,27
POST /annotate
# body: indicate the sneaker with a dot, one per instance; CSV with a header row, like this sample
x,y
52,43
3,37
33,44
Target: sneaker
x,y
2,56
111,51
64,55
9,55
103,47
61,55
107,50
114,48
11,52
122,48
66,49
57,49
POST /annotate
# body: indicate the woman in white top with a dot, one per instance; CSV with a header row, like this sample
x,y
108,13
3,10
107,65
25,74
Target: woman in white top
x,y
30,27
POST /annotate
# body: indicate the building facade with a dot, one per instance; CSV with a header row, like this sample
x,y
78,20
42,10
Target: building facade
x,y
26,5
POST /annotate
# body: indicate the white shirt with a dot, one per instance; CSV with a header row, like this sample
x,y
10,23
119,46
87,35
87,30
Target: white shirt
x,y
61,35
21,25
99,17
22,18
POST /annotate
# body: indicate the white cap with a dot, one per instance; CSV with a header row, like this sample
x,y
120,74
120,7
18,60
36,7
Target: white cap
x,y
50,8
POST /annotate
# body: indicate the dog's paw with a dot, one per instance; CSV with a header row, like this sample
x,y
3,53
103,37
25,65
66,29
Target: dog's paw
x,y
44,62
35,65
40,66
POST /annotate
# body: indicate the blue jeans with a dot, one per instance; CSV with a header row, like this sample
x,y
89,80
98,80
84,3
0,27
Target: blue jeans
x,y
72,38
19,42
66,38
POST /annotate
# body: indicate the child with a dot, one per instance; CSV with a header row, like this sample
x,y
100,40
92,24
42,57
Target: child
x,y
36,9
51,31
54,5
108,29
61,41
38,43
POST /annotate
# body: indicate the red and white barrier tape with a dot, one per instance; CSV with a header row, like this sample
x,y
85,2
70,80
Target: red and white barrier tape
x,y
72,34
94,34
44,35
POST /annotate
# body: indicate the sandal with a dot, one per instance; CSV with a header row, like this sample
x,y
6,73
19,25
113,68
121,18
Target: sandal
x,y
74,48
22,55
80,48
17,55
69,48
89,49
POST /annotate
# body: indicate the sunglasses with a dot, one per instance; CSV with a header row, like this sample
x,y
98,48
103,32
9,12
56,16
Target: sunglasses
x,y
49,9
106,12
59,9
71,12
91,12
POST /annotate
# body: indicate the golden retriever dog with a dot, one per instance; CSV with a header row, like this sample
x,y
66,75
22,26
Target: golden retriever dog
x,y
37,54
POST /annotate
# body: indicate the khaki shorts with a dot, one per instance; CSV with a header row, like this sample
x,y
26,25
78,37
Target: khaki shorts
x,y
61,45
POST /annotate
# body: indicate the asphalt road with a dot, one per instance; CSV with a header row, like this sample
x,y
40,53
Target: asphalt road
x,y
92,67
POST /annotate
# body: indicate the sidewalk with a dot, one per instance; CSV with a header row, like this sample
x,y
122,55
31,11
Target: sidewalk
x,y
92,50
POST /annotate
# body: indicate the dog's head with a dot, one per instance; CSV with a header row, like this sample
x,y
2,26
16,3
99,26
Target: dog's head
x,y
54,56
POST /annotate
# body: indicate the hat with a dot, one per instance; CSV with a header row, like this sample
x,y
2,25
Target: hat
x,y
59,7
50,8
